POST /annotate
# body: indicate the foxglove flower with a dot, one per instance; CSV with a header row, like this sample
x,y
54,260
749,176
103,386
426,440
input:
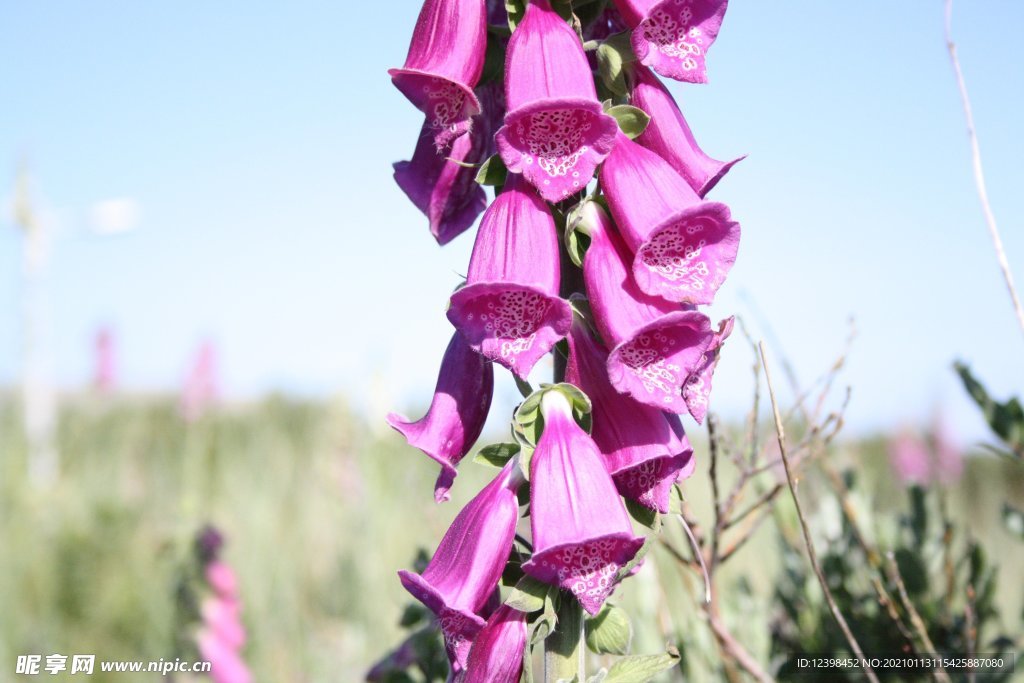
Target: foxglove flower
x,y
445,60
462,398
497,652
582,535
669,135
221,635
105,375
655,346
673,36
555,132
683,247
640,444
201,387
509,309
697,391
909,458
462,576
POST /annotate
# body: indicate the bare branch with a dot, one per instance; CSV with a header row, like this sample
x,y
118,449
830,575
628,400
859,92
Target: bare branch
x,y
915,616
979,174
811,554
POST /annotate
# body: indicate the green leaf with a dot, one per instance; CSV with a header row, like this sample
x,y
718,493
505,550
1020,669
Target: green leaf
x,y
642,514
632,121
641,668
496,454
492,172
609,632
1005,419
599,677
545,624
528,596
576,241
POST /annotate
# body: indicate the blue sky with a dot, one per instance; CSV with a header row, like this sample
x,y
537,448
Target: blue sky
x,y
256,141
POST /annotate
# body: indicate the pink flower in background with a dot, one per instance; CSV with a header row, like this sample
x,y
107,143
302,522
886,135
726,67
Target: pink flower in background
x,y
497,652
555,131
684,247
509,309
105,373
655,345
201,388
221,634
673,36
910,459
582,535
462,398
445,60
949,460
640,444
462,576
669,136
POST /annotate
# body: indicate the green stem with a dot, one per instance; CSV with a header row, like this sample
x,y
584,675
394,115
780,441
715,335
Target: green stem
x,y
563,649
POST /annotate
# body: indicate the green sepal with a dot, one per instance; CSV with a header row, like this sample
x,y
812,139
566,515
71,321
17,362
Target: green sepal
x,y
496,454
529,595
609,632
632,120
492,172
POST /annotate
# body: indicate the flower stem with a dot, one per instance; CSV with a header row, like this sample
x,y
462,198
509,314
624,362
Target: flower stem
x,y
563,649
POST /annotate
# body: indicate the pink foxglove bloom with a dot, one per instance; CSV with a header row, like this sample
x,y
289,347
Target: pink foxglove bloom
x,y
669,135
949,462
221,636
673,36
655,346
201,384
445,60
555,132
445,191
640,444
509,309
582,535
697,391
497,652
683,247
106,365
462,576
910,459
462,397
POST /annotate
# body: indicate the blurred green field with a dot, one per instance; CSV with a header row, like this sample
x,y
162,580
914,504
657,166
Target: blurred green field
x,y
319,510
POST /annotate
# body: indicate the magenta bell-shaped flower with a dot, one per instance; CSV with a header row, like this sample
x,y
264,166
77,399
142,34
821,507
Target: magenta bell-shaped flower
x,y
582,535
509,309
444,190
462,398
555,132
445,60
697,391
655,344
673,36
643,450
497,652
669,136
462,576
684,247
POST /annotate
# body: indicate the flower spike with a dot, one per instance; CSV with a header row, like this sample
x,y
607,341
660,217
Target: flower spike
x,y
684,247
497,652
555,132
445,60
462,399
509,309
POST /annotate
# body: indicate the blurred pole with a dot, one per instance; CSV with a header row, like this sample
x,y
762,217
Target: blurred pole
x,y
38,399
